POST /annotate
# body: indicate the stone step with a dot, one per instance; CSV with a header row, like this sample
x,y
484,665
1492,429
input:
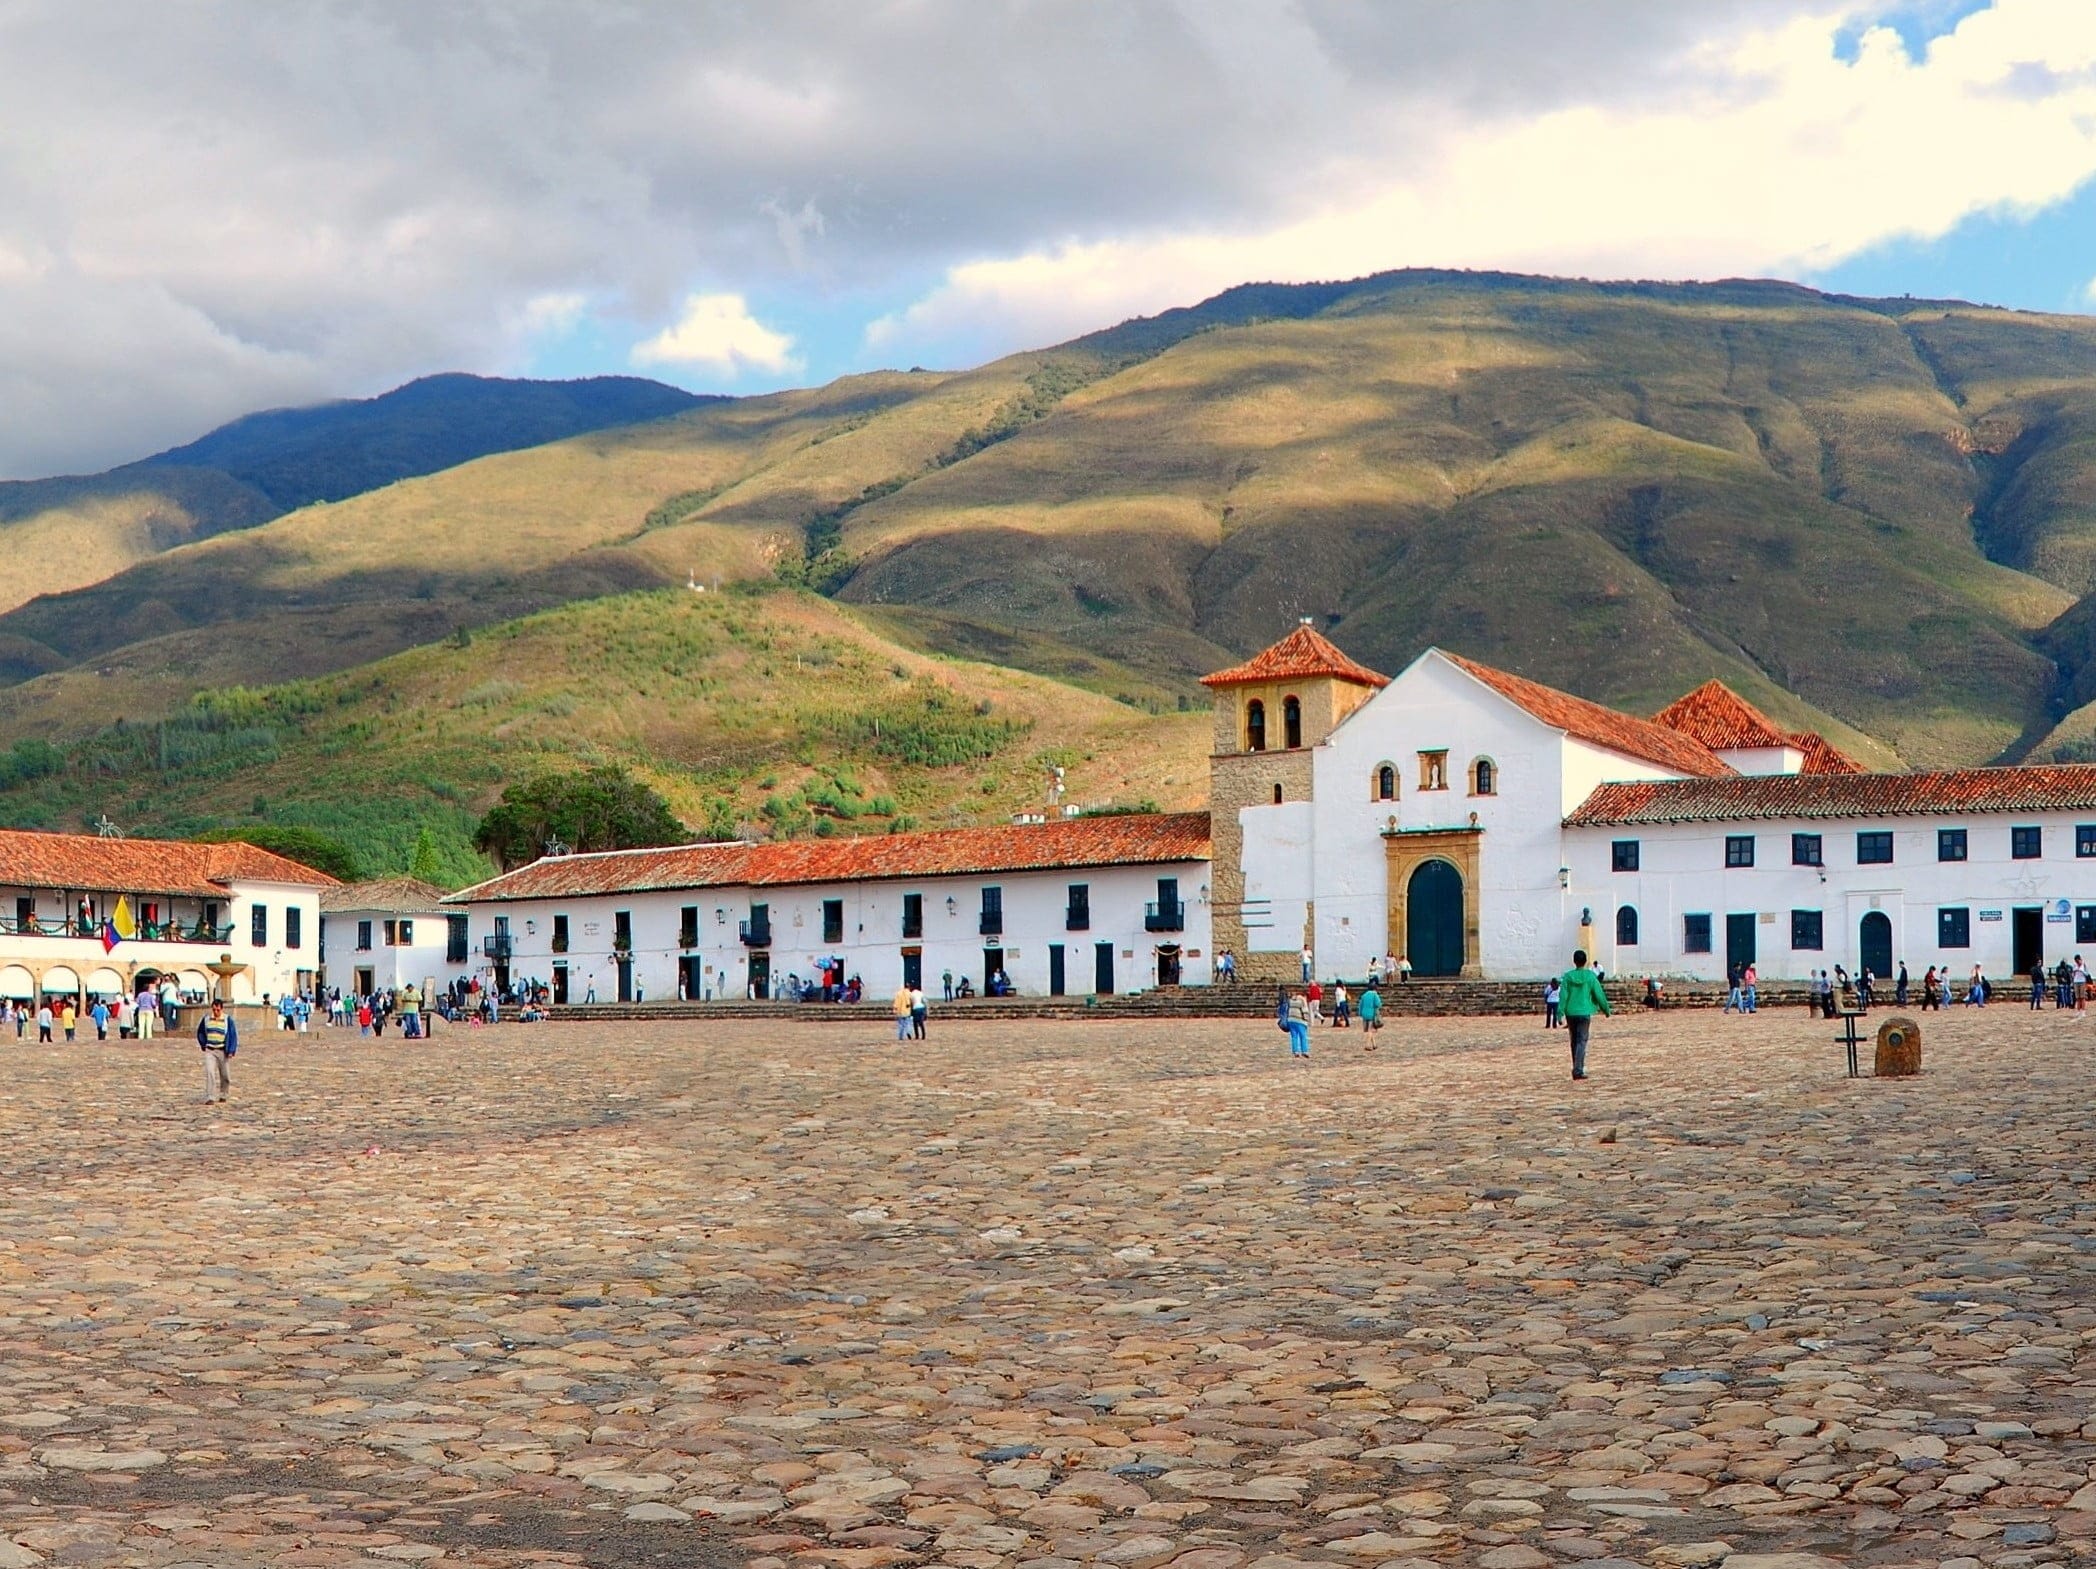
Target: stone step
x,y
1416,999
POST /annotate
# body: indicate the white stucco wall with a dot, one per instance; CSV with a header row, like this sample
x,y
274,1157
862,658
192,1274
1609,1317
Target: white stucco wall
x,y
1763,759
1279,846
1034,921
1682,871
419,963
275,966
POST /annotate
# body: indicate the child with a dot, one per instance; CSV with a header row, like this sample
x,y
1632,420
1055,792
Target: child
x,y
1550,1001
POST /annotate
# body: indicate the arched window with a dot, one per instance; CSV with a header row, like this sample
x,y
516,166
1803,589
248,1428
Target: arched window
x,y
1386,783
1292,722
1255,726
1484,777
1626,926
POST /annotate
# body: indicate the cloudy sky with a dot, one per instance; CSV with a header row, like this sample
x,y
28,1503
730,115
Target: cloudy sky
x,y
222,205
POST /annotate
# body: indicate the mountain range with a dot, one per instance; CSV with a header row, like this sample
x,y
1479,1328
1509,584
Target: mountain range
x,y
1875,518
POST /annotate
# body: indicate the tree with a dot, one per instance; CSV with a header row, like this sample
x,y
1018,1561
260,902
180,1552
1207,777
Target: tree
x,y
426,861
593,809
307,846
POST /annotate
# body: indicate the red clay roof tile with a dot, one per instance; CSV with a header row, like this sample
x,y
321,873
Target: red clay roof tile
x,y
1138,839
85,863
1823,756
396,895
2054,787
1720,718
1302,655
1724,721
1634,737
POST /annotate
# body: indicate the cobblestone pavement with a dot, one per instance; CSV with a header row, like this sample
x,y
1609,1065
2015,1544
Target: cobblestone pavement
x,y
1125,1295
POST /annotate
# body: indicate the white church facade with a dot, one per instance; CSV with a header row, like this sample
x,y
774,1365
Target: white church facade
x,y
1483,825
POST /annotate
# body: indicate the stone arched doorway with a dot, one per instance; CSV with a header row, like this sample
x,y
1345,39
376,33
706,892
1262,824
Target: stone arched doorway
x,y
1434,919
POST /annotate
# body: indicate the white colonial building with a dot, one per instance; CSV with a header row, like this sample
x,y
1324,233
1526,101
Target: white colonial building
x,y
1477,823
1481,824
390,932
1069,906
82,916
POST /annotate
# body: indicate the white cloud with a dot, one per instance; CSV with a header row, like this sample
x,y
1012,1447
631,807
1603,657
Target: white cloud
x,y
1768,154
552,315
231,205
717,332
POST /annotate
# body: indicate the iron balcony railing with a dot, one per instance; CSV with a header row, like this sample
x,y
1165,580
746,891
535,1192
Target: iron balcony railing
x,y
1165,917
754,934
992,923
498,947
146,931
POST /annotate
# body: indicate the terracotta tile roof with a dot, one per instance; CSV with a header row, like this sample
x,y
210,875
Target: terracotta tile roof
x,y
1135,840
1724,721
84,863
616,871
2053,787
394,895
1625,733
1302,655
1823,756
1720,718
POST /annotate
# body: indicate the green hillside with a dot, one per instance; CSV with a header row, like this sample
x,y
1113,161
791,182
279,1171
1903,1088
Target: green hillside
x,y
1868,516
768,712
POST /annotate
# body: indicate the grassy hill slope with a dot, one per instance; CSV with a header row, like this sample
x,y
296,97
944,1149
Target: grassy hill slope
x,y
1866,515
78,530
777,713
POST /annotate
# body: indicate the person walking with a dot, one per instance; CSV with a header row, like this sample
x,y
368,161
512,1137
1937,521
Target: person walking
x,y
1340,1019
219,1039
899,1005
1306,966
1370,1006
920,1010
43,1021
1899,987
1748,976
1295,1019
69,1019
100,1014
1581,995
1731,989
1550,1000
2037,983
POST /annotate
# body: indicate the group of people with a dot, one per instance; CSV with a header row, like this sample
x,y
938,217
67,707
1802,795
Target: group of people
x,y
1389,967
2069,985
138,1016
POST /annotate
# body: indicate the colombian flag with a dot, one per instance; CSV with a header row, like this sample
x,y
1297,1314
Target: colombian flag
x,y
119,926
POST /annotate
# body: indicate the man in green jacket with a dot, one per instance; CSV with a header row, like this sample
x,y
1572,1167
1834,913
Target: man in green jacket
x,y
1579,994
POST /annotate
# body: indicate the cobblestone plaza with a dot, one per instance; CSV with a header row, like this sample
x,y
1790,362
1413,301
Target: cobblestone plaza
x,y
1053,1294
